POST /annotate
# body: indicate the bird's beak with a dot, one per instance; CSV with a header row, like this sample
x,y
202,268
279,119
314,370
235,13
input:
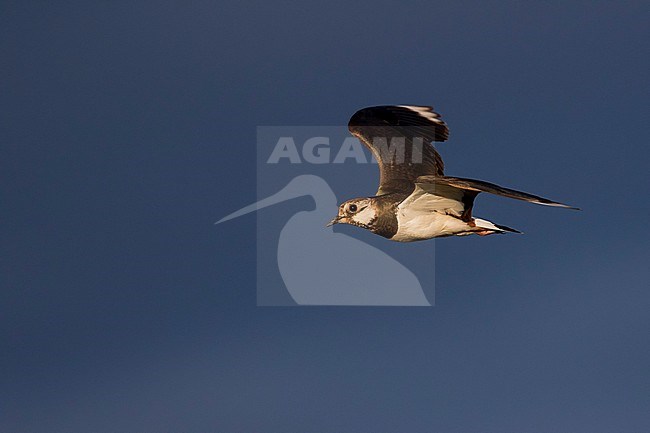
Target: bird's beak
x,y
334,221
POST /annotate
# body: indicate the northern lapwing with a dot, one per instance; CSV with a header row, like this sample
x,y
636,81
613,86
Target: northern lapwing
x,y
415,200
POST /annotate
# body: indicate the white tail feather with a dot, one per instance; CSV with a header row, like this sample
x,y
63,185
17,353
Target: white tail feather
x,y
484,224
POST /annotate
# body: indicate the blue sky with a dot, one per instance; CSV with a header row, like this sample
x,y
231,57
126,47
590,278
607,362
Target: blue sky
x,y
127,129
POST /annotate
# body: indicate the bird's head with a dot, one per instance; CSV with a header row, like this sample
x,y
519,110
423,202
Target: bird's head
x,y
358,212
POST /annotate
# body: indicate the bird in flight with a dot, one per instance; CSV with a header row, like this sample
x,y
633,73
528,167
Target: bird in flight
x,y
415,200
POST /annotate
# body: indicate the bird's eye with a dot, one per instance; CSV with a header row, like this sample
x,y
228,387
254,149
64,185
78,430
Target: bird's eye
x,y
353,208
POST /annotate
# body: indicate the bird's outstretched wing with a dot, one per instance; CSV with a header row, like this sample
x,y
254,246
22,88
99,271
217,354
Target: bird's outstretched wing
x,y
439,185
399,137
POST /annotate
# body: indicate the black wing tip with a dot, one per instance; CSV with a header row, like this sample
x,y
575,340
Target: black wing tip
x,y
396,106
363,113
507,229
415,116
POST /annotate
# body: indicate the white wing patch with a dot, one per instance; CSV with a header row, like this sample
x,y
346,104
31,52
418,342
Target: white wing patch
x,y
424,112
428,197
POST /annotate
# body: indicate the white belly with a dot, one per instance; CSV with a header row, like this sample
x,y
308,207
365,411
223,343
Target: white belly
x,y
418,226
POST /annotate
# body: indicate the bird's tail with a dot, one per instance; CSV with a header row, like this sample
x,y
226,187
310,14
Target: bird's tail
x,y
494,228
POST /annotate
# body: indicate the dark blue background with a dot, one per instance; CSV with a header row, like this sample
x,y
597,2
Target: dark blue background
x,y
127,129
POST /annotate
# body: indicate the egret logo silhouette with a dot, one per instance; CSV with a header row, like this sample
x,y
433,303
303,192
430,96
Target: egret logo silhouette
x,y
415,201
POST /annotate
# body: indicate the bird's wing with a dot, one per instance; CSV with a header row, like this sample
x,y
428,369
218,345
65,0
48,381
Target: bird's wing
x,y
399,137
430,197
472,188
